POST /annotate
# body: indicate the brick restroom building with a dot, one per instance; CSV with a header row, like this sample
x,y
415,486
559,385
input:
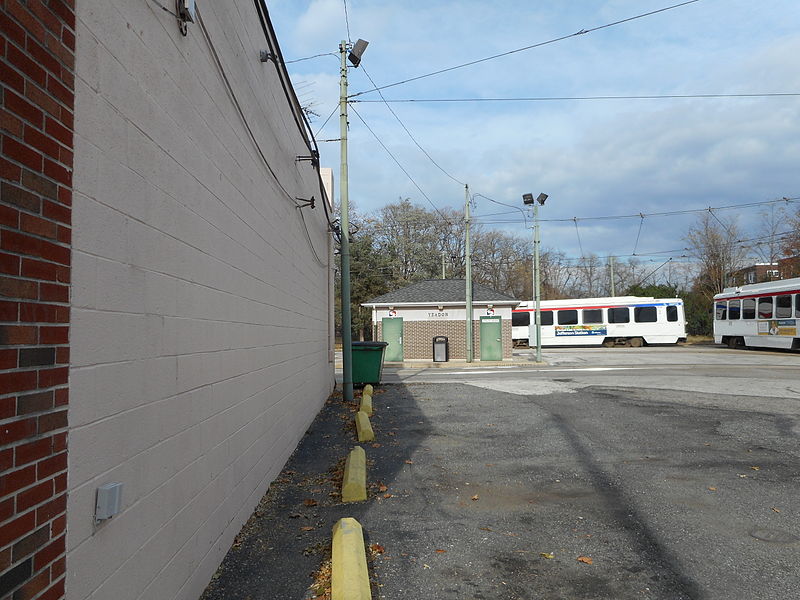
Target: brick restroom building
x,y
409,318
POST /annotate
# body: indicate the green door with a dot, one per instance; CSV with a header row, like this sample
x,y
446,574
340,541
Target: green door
x,y
392,331
491,338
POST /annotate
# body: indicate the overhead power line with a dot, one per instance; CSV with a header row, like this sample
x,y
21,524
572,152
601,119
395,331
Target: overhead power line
x,y
537,45
402,168
564,98
346,19
413,139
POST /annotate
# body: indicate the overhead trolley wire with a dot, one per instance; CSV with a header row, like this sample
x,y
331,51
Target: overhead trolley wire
x,y
657,214
537,45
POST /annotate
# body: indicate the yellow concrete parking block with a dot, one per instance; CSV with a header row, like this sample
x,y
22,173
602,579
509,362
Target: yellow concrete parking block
x,y
349,575
366,403
365,433
354,483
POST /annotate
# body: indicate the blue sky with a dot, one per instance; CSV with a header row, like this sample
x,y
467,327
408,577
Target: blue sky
x,y
594,158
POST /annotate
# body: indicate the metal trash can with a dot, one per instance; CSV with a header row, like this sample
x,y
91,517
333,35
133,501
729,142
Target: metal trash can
x,y
441,349
368,362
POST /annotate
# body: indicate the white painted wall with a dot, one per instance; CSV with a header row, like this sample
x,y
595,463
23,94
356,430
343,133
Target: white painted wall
x,y
448,313
201,309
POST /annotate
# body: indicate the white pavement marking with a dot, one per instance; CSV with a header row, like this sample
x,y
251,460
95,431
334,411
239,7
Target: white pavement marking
x,y
560,370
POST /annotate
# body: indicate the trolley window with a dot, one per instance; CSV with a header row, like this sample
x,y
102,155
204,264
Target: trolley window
x,y
749,308
620,314
672,313
520,319
783,307
568,317
547,317
592,315
645,314
765,307
734,309
797,306
722,311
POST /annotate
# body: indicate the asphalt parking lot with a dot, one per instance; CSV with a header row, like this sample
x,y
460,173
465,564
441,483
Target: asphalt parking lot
x,y
547,489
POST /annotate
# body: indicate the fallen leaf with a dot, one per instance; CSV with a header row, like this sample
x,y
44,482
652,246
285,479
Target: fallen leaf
x,y
388,495
310,502
377,548
409,462
489,464
777,510
756,468
485,528
585,560
376,445
440,551
742,476
382,487
707,444
475,497
711,488
424,566
547,555
307,528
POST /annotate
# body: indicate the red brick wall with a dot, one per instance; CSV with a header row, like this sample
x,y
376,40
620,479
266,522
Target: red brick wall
x,y
36,122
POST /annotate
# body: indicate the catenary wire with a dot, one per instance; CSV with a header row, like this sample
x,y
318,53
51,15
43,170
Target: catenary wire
x,y
537,45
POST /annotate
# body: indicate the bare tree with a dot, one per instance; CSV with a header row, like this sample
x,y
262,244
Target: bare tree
x,y
715,243
767,245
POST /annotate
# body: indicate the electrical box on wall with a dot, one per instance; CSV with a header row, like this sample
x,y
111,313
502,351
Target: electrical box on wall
x,y
109,501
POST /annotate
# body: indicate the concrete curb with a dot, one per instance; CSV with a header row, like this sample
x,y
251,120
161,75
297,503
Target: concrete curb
x,y
366,403
349,575
354,483
365,433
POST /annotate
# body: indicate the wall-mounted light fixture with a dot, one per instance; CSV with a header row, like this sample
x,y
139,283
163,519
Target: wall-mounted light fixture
x,y
186,10
266,55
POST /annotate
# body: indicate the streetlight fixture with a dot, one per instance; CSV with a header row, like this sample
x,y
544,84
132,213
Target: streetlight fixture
x,y
356,51
528,200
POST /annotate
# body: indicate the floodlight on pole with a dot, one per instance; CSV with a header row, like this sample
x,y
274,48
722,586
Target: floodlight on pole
x,y
528,200
347,335
358,49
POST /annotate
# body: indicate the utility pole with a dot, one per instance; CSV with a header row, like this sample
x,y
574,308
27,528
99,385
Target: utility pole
x,y
468,275
444,272
347,322
611,269
347,341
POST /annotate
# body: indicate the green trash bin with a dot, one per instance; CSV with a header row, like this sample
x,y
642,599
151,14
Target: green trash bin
x,y
368,362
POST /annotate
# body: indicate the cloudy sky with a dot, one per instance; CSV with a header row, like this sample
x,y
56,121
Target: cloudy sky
x,y
593,157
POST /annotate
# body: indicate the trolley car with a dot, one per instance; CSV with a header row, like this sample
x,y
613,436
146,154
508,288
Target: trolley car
x,y
763,315
614,321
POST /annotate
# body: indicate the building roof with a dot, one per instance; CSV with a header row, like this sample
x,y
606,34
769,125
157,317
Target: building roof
x,y
433,291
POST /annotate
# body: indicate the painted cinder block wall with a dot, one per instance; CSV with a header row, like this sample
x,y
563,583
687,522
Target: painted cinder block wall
x,y
36,118
200,312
